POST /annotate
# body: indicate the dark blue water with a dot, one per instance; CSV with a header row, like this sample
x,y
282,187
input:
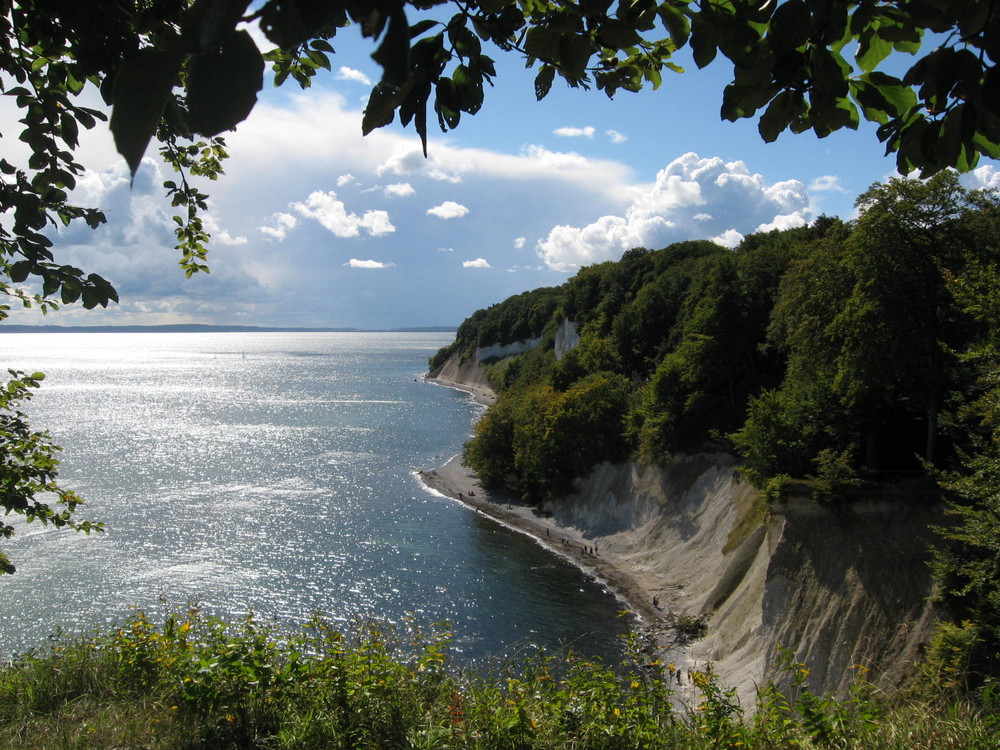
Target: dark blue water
x,y
273,473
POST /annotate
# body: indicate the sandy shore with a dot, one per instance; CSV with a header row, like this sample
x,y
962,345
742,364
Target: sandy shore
x,y
595,557
483,396
457,481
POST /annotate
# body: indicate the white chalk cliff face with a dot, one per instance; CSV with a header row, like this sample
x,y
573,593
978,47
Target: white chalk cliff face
x,y
840,589
567,338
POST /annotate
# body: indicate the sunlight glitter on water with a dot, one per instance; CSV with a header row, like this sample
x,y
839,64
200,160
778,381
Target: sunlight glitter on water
x,y
279,481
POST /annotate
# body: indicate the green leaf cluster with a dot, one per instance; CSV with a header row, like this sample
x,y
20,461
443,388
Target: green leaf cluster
x,y
29,467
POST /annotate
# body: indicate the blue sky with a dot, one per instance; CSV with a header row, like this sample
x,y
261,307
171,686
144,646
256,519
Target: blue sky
x,y
314,225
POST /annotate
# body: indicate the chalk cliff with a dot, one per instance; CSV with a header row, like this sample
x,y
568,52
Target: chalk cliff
x,y
468,374
838,588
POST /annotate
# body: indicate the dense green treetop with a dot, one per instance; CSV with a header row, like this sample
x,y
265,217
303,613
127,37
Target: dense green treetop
x,y
849,355
837,345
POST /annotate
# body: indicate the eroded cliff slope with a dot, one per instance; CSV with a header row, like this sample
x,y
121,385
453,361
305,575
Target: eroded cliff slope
x,y
838,588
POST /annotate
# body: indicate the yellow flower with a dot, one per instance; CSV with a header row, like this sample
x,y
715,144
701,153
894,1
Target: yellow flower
x,y
618,712
635,684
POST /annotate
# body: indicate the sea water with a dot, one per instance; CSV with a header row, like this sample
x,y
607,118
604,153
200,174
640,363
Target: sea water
x,y
273,473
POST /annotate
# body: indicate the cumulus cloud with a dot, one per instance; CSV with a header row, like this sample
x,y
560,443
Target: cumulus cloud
x,y
399,189
219,234
826,183
355,263
345,179
281,224
986,176
730,238
691,198
477,263
333,215
350,74
615,136
519,243
407,158
586,132
448,210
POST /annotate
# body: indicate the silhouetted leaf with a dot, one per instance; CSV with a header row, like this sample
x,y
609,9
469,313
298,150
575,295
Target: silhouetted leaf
x,y
141,89
222,85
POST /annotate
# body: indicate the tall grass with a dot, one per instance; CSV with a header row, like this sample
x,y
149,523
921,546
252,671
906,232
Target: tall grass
x,y
195,681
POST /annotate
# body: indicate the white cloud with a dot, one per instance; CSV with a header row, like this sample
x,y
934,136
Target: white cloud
x,y
220,235
282,224
333,216
826,183
787,221
477,263
586,132
446,249
317,135
448,210
350,74
730,238
355,263
345,179
615,136
399,189
691,198
519,243
442,175
986,176
407,158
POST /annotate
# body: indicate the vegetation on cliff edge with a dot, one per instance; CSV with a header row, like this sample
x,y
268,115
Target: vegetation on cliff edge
x,y
849,353
194,681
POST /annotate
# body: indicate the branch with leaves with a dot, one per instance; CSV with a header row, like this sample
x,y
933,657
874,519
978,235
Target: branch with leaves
x,y
28,468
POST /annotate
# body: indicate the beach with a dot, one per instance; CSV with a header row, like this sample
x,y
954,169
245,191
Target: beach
x,y
457,481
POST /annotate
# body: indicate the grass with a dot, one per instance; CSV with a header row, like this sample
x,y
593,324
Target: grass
x,y
193,681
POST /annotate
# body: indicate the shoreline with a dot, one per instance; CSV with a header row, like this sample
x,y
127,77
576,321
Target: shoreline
x,y
639,595
458,482
482,396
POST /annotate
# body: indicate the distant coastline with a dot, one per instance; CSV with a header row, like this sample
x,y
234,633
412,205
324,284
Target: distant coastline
x,y
201,328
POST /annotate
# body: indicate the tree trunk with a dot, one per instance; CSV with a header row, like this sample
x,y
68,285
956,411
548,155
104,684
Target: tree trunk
x,y
871,452
930,452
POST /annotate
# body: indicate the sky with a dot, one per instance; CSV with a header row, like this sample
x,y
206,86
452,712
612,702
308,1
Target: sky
x,y
315,225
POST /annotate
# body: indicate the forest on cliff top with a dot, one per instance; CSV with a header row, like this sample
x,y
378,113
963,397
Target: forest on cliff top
x,y
852,355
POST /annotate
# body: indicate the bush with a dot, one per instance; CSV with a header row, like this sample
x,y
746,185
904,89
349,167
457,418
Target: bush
x,y
195,681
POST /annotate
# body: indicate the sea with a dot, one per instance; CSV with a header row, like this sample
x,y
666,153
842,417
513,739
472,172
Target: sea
x,y
275,474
